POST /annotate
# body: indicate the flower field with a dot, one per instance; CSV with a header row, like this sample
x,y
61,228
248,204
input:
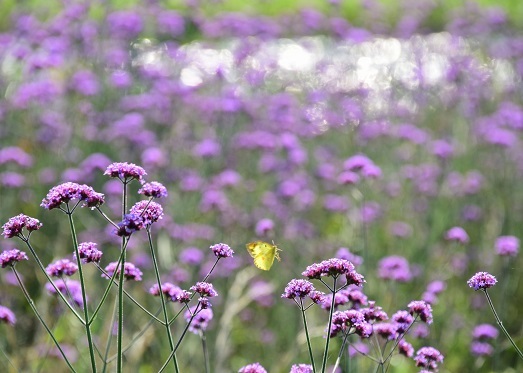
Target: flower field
x,y
188,188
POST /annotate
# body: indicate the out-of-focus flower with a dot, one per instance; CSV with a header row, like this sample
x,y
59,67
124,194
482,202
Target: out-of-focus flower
x,y
11,257
131,272
7,316
61,267
457,234
252,368
200,321
507,245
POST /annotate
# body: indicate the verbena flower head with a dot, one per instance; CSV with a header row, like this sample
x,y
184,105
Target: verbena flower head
x,y
301,368
403,320
7,316
317,297
61,267
126,172
386,330
153,189
131,223
343,320
66,192
222,250
297,289
66,287
422,309
485,331
171,292
395,268
374,313
200,321
150,212
405,348
11,257
89,252
507,245
15,225
131,272
479,348
457,234
482,280
428,357
252,368
332,267
205,289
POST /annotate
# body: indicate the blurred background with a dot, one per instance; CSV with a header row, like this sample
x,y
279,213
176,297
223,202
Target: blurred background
x,y
359,129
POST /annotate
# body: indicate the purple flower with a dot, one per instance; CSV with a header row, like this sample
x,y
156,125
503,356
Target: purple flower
x,y
89,252
344,320
222,250
482,280
332,267
374,313
405,348
403,320
130,224
11,257
153,189
171,292
61,267
7,316
348,178
252,368
297,289
428,357
357,162
66,192
200,321
66,287
436,286
422,309
85,83
205,289
386,330
150,211
131,272
395,268
301,368
124,24
14,226
16,155
481,348
457,234
264,227
125,171
507,245
191,256
485,331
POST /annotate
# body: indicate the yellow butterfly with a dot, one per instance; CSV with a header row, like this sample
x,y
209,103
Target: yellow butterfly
x,y
263,254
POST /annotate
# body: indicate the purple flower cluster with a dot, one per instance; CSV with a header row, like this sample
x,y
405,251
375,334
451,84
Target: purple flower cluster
x,y
457,234
88,252
205,289
126,172
405,348
222,250
482,280
350,321
332,267
15,225
131,272
395,268
66,287
481,335
171,292
301,368
131,223
7,316
297,289
507,245
422,309
153,189
61,267
11,257
252,368
429,358
200,321
66,192
149,211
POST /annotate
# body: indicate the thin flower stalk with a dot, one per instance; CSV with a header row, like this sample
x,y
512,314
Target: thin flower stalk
x,y
109,339
205,352
340,354
119,361
87,324
31,303
307,335
326,351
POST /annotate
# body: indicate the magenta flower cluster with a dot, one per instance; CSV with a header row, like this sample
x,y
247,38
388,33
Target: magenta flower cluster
x,y
11,257
66,192
15,225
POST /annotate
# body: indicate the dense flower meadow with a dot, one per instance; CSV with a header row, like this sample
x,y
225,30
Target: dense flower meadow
x,y
142,148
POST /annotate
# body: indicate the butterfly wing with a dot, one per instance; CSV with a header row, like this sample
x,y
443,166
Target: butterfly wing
x,y
265,257
253,248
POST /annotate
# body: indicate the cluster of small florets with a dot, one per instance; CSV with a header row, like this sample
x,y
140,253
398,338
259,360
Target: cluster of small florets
x,y
171,292
200,320
405,348
153,189
11,257
428,357
297,289
386,330
343,321
149,211
131,272
374,313
301,368
252,368
402,320
61,267
482,280
332,267
125,171
7,316
15,225
66,192
205,289
66,287
89,252
131,223
222,250
422,309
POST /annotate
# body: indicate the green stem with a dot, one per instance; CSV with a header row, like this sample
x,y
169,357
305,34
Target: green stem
x,y
162,298
340,354
119,361
31,303
109,335
84,296
326,351
205,352
58,292
498,320
307,335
